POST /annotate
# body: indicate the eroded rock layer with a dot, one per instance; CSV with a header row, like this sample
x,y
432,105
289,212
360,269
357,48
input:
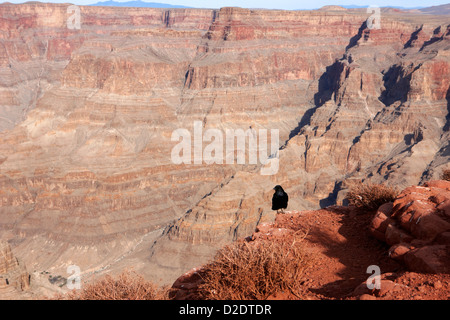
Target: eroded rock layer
x,y
86,169
14,277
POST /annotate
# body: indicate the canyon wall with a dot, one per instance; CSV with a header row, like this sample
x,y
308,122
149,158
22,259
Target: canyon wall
x,y
378,111
87,117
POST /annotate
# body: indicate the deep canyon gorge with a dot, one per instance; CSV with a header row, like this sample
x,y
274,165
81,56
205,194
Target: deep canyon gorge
x,y
86,118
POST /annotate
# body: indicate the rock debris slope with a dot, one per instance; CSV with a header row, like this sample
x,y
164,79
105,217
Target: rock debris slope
x,y
86,175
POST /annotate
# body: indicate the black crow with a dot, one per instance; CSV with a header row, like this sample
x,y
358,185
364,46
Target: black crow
x,y
279,199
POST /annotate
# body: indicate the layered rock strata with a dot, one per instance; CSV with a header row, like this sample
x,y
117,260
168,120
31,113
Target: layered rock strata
x,y
379,113
13,274
86,172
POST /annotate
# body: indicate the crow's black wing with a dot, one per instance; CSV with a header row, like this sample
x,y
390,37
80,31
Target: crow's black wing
x,y
275,202
284,201
279,201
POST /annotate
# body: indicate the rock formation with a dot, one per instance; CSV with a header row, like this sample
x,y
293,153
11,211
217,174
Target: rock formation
x,y
417,227
13,275
342,246
86,175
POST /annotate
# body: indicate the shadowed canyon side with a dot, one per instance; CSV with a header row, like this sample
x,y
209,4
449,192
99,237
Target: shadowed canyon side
x,y
87,116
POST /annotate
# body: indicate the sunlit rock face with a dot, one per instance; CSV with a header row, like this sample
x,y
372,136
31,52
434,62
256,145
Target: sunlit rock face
x,y
87,116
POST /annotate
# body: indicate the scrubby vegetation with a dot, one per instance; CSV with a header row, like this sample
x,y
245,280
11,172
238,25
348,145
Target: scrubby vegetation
x,y
240,271
247,271
126,286
370,196
446,175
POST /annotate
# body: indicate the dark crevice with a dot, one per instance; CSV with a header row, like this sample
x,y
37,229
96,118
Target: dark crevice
x,y
447,97
303,122
397,83
413,38
332,196
188,78
328,83
214,16
354,40
433,39
166,19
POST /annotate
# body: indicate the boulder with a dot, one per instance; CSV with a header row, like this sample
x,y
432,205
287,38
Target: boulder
x,y
380,222
398,251
429,259
386,286
186,286
440,184
396,235
417,227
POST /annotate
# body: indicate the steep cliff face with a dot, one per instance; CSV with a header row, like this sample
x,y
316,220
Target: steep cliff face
x,y
37,44
405,109
381,114
86,172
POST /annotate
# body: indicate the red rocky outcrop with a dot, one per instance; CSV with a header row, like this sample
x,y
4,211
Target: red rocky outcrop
x,y
417,227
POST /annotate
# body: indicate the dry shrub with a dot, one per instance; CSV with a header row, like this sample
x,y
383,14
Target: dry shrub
x,y
126,286
446,175
370,196
246,271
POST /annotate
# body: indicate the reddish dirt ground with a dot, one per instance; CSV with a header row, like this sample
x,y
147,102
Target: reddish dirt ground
x,y
343,249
